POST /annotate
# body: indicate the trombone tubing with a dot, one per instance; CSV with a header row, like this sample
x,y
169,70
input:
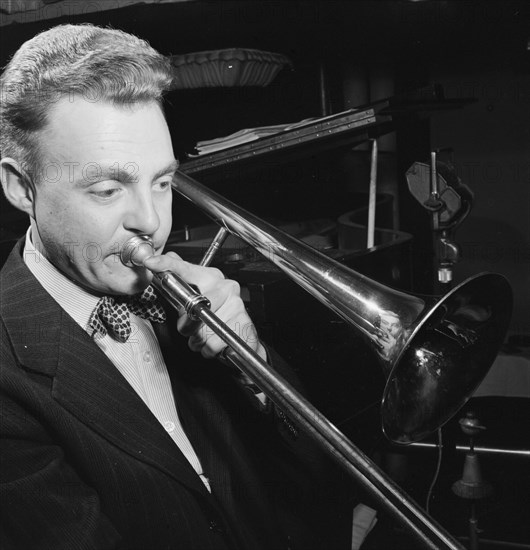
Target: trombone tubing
x,y
333,442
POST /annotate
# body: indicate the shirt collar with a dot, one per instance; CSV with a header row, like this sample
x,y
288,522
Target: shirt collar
x,y
77,302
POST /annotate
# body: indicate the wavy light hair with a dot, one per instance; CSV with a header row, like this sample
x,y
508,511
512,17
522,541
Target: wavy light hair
x,y
84,60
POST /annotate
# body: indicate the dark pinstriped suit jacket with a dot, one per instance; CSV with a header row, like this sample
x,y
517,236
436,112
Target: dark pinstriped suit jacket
x,y
86,465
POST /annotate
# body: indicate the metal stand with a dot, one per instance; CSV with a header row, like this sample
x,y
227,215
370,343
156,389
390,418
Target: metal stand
x,y
472,486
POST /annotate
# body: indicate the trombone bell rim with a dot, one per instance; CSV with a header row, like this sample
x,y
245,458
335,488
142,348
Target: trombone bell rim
x,y
446,357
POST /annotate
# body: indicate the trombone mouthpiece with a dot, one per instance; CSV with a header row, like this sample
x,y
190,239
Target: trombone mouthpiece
x,y
136,250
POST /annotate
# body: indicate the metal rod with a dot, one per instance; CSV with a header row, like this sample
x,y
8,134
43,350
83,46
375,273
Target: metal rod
x,y
372,195
434,191
323,89
215,245
479,449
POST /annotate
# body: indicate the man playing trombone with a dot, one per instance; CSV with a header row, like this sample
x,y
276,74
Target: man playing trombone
x,y
112,436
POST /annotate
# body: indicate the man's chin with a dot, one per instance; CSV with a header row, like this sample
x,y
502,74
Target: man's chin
x,y
136,284
132,281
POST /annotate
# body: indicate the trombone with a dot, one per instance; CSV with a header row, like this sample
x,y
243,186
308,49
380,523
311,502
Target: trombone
x,y
433,353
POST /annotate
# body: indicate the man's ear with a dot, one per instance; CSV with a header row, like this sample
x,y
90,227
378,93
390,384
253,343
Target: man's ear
x,y
17,187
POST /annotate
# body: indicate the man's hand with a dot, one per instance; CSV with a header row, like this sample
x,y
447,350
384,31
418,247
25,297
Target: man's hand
x,y
226,303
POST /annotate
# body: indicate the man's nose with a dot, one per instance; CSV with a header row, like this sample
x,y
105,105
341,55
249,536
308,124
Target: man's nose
x,y
142,216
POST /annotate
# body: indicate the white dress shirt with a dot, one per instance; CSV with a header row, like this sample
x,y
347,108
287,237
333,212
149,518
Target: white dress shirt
x,y
139,359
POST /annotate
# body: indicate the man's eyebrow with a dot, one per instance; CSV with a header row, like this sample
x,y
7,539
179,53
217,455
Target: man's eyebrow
x,y
171,168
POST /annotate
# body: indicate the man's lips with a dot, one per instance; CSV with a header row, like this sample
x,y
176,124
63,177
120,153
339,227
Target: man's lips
x,y
116,251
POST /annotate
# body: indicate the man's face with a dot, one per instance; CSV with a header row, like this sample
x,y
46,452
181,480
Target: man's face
x,y
107,173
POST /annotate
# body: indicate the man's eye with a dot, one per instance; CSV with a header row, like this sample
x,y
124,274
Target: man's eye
x,y
164,184
106,193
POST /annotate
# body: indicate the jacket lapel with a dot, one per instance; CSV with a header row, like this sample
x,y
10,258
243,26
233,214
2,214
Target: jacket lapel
x,y
47,340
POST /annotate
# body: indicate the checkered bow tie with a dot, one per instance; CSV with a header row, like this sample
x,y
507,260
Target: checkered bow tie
x,y
111,314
